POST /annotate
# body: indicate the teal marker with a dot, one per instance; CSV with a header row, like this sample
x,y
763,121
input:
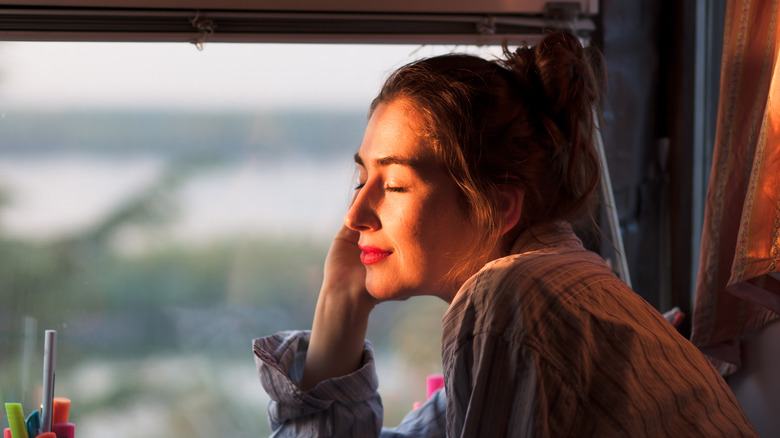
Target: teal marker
x,y
34,424
16,420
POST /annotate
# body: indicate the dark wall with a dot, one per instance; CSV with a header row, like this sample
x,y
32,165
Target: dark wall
x,y
629,42
658,134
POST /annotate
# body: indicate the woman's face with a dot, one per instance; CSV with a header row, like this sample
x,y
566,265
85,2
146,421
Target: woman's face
x,y
413,230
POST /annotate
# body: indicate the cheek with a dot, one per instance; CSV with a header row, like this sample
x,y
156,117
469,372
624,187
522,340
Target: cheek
x,y
442,232
429,228
445,217
404,219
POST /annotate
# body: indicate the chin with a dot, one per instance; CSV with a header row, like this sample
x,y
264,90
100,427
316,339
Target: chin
x,y
383,292
388,296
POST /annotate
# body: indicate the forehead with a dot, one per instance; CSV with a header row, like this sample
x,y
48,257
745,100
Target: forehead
x,y
393,136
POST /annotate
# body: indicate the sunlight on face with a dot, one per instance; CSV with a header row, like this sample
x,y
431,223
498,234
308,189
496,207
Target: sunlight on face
x,y
413,231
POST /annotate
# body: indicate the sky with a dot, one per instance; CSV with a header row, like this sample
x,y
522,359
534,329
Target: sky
x,y
46,74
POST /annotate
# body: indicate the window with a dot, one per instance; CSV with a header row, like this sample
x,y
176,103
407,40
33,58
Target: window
x,y
161,206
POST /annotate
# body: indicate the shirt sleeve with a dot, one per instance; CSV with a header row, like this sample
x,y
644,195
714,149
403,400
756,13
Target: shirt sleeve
x,y
347,406
427,421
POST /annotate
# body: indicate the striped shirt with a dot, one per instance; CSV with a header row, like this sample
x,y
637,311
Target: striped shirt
x,y
546,342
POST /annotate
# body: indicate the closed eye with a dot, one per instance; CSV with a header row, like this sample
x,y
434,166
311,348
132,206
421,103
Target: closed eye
x,y
395,189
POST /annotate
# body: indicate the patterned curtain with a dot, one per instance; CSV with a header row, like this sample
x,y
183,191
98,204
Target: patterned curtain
x,y
738,288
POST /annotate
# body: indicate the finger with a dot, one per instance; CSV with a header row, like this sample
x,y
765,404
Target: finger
x,y
348,235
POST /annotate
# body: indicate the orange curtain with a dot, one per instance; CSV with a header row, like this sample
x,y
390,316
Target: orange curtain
x,y
738,288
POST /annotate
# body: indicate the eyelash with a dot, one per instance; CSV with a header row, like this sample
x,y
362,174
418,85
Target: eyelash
x,y
387,188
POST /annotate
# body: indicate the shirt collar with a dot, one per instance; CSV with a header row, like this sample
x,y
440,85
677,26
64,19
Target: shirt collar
x,y
545,235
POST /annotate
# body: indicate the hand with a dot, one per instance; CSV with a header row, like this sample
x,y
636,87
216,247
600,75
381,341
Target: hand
x,y
344,273
341,317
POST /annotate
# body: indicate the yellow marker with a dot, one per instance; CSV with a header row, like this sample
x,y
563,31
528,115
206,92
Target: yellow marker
x,y
16,420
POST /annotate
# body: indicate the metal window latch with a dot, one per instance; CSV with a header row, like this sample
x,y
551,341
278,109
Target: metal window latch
x,y
205,27
487,26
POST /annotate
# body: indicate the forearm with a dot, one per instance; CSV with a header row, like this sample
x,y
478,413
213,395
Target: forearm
x,y
348,407
337,337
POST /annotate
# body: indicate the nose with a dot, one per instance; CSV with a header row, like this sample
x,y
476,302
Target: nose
x,y
362,214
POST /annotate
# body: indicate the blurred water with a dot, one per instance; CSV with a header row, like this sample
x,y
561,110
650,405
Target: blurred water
x,y
49,197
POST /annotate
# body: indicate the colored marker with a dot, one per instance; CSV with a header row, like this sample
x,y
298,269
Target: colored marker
x,y
60,410
47,435
16,420
7,433
64,430
49,363
433,383
34,423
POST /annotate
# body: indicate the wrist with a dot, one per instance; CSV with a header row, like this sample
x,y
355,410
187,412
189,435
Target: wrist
x,y
346,298
350,308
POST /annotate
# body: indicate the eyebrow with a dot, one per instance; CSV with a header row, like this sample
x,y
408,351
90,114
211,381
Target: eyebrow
x,y
413,162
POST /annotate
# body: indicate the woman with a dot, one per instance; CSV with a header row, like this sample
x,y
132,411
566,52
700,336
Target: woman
x,y
469,172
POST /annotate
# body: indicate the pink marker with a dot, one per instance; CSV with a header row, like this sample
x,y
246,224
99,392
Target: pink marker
x,y
433,383
7,433
64,430
47,435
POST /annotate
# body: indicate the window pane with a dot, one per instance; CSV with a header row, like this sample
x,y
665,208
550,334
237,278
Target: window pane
x,y
161,206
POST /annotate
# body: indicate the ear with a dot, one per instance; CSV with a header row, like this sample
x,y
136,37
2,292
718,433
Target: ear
x,y
511,205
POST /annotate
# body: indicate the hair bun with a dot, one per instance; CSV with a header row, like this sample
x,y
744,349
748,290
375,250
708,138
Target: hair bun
x,y
565,72
556,78
557,75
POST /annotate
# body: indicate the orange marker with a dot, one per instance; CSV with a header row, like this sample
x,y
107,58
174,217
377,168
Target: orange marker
x,y
61,410
47,435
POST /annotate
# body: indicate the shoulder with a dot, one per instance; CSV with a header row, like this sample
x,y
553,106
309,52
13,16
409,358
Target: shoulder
x,y
547,257
509,293
521,277
550,267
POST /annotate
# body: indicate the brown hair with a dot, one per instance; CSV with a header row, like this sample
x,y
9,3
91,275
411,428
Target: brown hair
x,y
525,120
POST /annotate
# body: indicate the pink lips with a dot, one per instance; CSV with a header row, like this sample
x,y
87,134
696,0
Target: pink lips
x,y
370,255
